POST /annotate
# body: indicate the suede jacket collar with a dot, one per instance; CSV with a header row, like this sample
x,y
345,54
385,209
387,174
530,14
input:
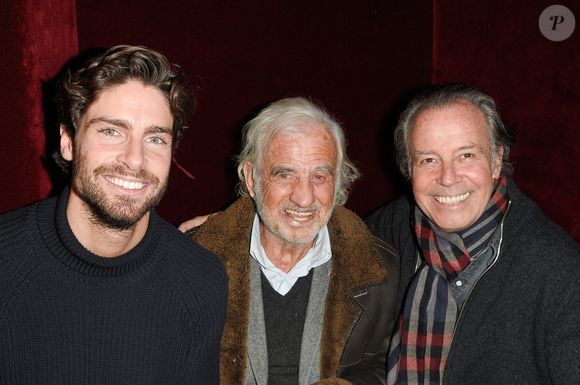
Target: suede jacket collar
x,y
227,235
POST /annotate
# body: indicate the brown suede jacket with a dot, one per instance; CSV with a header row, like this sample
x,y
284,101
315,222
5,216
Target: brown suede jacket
x,y
359,310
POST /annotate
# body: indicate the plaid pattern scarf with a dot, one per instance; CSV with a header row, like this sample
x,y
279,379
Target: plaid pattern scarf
x,y
420,346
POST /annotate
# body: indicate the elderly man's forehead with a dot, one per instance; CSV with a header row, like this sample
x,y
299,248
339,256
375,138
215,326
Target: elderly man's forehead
x,y
299,127
300,142
460,110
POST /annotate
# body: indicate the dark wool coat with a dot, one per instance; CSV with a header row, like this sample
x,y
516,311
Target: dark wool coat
x,y
521,322
355,333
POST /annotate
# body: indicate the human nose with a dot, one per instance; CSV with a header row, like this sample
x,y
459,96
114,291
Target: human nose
x,y
449,174
302,192
132,155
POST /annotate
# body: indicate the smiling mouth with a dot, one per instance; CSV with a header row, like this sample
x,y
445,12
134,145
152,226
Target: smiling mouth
x,y
129,185
453,199
299,216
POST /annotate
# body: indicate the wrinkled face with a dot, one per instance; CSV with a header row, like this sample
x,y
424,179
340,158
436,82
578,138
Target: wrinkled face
x,y
294,187
121,155
453,170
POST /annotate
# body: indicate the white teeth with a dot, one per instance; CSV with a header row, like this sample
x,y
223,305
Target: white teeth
x,y
125,184
299,214
452,200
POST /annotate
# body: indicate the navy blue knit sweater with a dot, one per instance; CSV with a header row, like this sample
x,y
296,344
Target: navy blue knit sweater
x,y
154,315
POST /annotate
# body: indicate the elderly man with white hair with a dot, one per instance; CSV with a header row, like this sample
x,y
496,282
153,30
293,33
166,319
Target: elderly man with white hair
x,y
311,293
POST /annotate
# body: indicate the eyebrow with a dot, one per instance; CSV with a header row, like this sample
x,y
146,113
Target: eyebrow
x,y
472,147
326,168
462,148
282,170
157,129
114,122
126,125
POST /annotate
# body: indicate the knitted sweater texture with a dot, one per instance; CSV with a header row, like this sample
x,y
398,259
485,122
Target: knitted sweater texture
x,y
154,315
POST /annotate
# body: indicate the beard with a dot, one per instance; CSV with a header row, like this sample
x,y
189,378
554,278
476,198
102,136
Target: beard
x,y
278,227
118,212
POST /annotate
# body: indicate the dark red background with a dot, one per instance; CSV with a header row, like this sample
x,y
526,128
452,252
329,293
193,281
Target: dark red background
x,y
360,59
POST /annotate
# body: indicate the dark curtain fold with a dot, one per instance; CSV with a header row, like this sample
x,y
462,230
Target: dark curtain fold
x,y
37,39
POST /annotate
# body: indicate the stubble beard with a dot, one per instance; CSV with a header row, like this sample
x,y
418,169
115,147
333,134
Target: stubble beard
x,y
121,213
276,229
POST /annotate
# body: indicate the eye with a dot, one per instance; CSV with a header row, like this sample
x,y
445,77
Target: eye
x,y
109,131
427,161
156,140
284,178
320,178
468,155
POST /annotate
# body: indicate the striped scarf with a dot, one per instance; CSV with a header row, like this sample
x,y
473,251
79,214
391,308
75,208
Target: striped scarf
x,y
420,346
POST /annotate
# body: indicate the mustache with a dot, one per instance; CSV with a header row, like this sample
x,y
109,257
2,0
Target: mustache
x,y
121,170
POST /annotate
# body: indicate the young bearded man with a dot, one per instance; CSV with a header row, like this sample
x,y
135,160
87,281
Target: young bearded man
x,y
95,288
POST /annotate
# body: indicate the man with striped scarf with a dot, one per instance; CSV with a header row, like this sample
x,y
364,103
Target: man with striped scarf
x,y
490,288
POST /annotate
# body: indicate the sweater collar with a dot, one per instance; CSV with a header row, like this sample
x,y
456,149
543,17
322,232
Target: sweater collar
x,y
60,239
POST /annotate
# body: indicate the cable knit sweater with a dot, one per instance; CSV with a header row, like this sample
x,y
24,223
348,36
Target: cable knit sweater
x,y
154,315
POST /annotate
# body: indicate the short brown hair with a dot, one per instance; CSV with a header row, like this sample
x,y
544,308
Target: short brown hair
x,y
78,89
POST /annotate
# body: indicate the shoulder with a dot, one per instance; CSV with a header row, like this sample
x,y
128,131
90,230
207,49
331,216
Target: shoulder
x,y
396,213
15,218
343,219
356,253
528,229
15,229
195,274
228,232
188,260
388,252
392,223
536,253
348,229
17,255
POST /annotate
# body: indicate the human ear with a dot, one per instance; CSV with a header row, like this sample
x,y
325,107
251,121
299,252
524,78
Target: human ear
x,y
497,163
66,144
249,178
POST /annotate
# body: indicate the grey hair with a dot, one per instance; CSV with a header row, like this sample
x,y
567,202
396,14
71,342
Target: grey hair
x,y
284,116
500,136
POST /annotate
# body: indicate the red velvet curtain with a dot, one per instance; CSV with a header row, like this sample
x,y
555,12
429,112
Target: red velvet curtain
x,y
498,47
37,38
358,59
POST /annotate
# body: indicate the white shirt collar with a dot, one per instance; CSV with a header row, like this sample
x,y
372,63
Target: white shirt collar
x,y
282,282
